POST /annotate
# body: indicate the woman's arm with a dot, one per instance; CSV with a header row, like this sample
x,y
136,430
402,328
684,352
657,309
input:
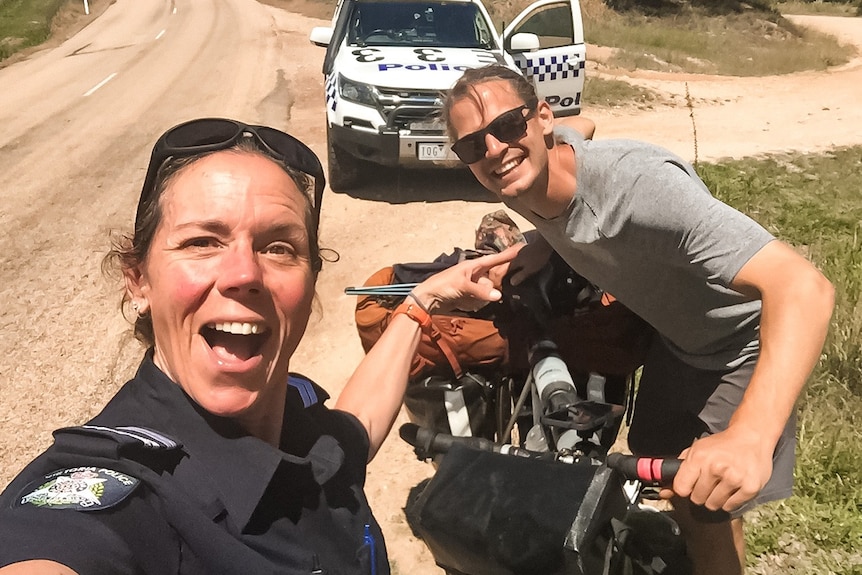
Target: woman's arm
x,y
376,389
37,567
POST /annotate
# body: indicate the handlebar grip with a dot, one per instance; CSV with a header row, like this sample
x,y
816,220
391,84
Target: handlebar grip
x,y
427,443
650,470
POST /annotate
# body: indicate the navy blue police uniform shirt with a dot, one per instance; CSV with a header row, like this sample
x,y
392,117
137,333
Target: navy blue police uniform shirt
x,y
155,484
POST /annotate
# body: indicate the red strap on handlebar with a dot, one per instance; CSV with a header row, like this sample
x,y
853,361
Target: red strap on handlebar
x,y
644,472
656,469
649,469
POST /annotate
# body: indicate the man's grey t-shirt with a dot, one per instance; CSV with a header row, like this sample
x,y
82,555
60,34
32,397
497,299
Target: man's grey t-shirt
x,y
644,228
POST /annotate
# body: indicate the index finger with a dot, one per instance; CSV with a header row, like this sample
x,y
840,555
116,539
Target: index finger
x,y
485,263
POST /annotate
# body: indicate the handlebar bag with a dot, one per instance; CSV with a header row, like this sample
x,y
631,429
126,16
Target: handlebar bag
x,y
485,513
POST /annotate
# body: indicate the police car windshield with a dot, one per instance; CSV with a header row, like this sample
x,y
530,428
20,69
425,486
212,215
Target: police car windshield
x,y
439,24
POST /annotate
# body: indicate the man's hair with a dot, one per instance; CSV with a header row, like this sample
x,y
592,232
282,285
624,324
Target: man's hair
x,y
474,76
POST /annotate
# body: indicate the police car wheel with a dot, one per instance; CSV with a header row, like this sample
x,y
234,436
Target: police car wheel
x,y
345,171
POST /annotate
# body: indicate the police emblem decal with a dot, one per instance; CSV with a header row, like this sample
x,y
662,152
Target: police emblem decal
x,y
79,488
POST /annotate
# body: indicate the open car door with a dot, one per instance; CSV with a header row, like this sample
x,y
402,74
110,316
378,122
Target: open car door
x,y
547,43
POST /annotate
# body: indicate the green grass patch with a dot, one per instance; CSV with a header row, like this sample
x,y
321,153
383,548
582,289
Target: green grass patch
x,y
714,37
813,202
25,23
752,43
616,93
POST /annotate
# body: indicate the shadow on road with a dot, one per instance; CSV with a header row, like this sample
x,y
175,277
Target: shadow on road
x,y
403,185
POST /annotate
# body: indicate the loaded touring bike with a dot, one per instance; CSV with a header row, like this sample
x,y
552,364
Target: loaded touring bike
x,y
524,482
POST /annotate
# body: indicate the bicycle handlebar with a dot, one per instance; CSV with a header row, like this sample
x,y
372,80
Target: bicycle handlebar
x,y
649,470
428,443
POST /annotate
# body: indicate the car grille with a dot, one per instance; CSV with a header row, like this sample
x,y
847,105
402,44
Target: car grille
x,y
417,111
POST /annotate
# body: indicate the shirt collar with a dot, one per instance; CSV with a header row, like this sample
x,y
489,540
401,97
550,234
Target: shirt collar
x,y
238,466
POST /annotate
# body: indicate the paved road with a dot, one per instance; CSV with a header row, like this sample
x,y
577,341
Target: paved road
x,y
76,126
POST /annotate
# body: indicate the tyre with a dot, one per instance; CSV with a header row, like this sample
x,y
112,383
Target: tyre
x,y
345,171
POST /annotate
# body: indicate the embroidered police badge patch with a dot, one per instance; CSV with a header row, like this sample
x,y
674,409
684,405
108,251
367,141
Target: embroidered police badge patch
x,y
80,488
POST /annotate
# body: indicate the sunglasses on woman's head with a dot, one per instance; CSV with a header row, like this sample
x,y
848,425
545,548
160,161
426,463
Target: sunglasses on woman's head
x,y
507,127
214,134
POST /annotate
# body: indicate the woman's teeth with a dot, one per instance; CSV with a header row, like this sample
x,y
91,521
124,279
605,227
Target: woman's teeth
x,y
237,328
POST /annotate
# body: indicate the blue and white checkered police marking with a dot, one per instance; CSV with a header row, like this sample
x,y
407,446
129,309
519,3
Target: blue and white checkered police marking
x,y
553,67
330,92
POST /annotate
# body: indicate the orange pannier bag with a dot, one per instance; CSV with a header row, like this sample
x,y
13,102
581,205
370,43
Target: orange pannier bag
x,y
457,341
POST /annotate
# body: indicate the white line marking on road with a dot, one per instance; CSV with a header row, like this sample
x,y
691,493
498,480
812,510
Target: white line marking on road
x,y
100,84
160,34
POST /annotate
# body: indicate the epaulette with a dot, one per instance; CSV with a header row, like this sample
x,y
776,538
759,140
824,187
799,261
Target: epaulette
x,y
116,442
138,436
310,392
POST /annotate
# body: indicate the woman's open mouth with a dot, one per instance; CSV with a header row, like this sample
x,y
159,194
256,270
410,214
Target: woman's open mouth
x,y
234,341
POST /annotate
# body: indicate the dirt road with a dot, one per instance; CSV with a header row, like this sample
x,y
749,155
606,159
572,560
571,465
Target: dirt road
x,y
76,123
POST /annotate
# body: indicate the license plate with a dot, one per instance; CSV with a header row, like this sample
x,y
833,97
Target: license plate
x,y
434,152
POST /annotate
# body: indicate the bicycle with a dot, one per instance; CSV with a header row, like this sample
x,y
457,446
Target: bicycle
x,y
532,488
549,499
594,504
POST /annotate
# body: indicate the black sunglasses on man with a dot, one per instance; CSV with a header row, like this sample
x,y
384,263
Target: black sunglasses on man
x,y
508,127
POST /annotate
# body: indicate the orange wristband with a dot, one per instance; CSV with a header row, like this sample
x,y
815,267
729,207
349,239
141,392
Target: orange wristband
x,y
416,313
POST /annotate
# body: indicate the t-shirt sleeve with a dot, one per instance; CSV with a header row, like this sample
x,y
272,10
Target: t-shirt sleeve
x,y
700,232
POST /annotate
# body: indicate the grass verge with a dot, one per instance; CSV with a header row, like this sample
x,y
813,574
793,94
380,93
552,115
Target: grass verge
x,y
813,202
721,37
820,8
25,23
611,93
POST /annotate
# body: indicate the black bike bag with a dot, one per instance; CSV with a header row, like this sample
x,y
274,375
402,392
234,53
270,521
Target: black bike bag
x,y
486,513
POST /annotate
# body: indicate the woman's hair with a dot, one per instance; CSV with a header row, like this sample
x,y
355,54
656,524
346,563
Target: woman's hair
x,y
474,76
129,251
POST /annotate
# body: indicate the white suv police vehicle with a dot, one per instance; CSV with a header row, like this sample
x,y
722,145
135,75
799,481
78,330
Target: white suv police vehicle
x,y
389,63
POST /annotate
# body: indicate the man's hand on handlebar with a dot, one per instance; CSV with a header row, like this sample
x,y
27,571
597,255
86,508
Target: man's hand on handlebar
x,y
723,471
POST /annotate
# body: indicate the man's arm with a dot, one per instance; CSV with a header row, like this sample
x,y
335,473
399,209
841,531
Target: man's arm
x,y
585,126
729,468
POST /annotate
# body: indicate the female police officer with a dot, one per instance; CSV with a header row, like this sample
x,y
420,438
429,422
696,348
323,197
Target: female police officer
x,y
215,458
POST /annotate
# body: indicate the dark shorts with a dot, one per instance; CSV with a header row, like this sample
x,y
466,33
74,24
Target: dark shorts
x,y
677,403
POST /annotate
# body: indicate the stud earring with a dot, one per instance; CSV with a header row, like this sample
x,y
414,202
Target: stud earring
x,y
139,309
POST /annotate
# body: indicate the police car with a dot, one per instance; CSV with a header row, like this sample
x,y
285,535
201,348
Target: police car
x,y
389,63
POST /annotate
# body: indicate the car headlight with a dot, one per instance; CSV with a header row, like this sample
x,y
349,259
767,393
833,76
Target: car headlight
x,y
357,91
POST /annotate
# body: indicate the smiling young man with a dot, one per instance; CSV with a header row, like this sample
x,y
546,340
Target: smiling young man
x,y
741,317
